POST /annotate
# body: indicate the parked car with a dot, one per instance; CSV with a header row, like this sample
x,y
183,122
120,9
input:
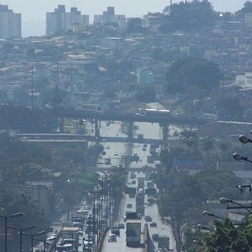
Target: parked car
x,y
148,218
112,238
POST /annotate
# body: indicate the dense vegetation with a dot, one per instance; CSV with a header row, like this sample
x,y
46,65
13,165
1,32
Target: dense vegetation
x,y
182,197
194,76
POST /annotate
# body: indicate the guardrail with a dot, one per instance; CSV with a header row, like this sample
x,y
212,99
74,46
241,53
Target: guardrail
x,y
102,239
145,237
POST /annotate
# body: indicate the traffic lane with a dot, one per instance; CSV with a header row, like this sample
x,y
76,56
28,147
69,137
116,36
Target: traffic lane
x,y
112,129
161,229
149,130
119,245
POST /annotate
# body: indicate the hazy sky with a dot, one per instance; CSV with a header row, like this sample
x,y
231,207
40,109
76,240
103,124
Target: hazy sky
x,y
34,11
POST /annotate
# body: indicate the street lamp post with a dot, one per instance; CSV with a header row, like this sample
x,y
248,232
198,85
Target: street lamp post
x,y
67,201
238,157
199,226
212,214
226,201
21,234
6,226
243,139
32,237
44,243
243,187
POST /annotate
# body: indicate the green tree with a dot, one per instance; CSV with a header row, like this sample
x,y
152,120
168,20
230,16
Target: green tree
x,y
226,237
216,184
194,75
189,16
247,8
190,138
135,25
231,108
146,94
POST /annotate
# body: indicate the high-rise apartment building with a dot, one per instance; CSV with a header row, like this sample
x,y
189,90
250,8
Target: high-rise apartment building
x,y
109,17
61,21
10,23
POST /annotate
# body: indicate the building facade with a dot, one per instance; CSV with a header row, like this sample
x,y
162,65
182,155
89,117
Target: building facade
x,y
110,17
61,21
10,23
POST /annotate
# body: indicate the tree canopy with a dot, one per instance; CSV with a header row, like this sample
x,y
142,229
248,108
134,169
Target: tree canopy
x,y
189,16
192,74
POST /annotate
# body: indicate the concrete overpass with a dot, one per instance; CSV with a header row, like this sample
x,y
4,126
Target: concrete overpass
x,y
130,117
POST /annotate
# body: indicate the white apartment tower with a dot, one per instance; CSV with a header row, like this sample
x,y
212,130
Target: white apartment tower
x,y
109,17
10,23
60,21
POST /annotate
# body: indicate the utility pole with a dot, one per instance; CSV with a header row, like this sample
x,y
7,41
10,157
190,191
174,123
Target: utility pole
x,y
32,88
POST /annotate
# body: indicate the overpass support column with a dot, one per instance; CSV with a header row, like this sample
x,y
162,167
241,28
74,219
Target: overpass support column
x,y
130,130
129,145
97,129
61,124
164,129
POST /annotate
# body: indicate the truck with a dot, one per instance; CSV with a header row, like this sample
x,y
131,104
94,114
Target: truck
x,y
140,201
130,190
140,182
78,221
69,235
133,233
163,242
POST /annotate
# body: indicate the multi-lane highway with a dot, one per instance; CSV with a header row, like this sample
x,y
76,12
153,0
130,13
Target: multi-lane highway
x,y
128,204
114,153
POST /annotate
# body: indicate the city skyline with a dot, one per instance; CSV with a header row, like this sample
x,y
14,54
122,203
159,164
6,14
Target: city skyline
x,y
34,13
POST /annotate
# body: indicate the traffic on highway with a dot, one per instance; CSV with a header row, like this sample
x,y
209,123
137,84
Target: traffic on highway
x,y
83,230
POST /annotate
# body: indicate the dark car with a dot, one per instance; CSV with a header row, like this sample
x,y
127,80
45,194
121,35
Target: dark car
x,y
148,218
153,224
116,231
121,226
155,237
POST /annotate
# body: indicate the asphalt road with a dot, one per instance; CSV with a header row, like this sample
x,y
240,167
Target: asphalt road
x,y
120,245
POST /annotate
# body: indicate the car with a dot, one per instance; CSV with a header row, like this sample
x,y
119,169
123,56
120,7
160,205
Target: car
x,y
115,231
87,243
112,238
39,249
155,237
121,225
129,205
153,224
148,218
87,248
139,215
